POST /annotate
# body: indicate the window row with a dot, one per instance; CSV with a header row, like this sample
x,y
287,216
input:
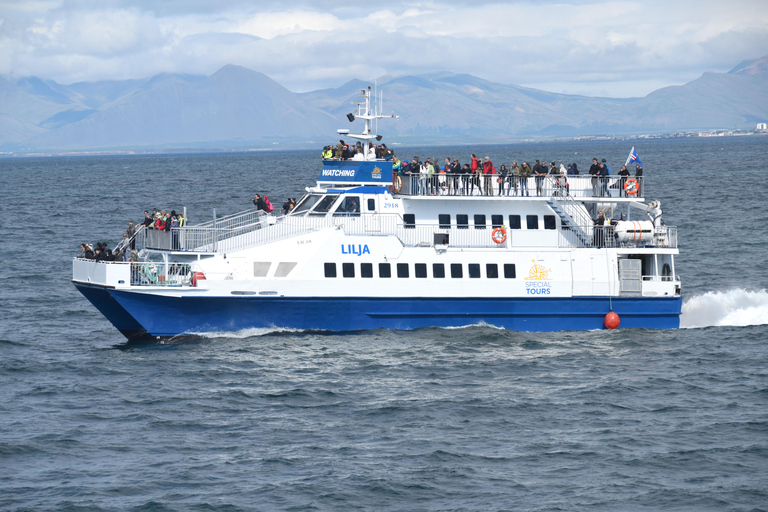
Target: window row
x,y
403,270
480,221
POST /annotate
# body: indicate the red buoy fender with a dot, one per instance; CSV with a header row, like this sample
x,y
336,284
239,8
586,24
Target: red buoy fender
x,y
612,320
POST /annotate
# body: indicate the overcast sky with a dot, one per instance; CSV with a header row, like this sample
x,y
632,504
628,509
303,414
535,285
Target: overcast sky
x,y
596,48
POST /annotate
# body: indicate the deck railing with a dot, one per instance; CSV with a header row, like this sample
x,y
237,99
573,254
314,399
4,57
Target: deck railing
x,y
580,186
269,229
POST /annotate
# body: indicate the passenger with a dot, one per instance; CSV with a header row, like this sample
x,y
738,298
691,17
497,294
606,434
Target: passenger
x,y
287,206
174,225
131,232
525,173
327,152
455,172
539,171
339,153
259,203
467,180
502,179
488,172
575,169
371,152
639,178
594,173
423,172
125,245
624,173
514,178
108,256
182,220
147,222
359,155
605,172
600,226
353,207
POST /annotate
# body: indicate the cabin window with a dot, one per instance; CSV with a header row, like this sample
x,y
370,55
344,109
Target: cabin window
x,y
366,270
438,270
514,222
348,269
497,221
444,219
462,221
491,271
330,270
385,271
509,270
284,268
479,221
420,270
456,271
402,270
324,205
260,268
533,221
410,221
474,270
306,203
349,206
550,222
371,205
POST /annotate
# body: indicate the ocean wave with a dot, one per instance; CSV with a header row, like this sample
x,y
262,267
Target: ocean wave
x,y
248,333
738,308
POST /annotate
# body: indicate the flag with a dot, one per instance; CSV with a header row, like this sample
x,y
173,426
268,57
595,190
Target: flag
x,y
633,157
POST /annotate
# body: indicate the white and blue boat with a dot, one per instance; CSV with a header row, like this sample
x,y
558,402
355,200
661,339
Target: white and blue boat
x,y
366,248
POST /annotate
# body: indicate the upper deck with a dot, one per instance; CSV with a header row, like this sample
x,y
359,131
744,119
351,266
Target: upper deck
x,y
345,173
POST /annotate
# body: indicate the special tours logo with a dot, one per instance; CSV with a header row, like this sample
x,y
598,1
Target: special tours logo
x,y
376,173
538,280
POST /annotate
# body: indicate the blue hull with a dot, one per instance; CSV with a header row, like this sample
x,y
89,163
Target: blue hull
x,y
136,314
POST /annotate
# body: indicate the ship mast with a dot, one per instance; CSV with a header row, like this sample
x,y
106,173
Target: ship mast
x,y
367,112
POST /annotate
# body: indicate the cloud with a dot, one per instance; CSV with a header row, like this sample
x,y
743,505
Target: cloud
x,y
621,48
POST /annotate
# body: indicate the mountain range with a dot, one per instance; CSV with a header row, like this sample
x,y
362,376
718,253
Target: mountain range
x,y
240,108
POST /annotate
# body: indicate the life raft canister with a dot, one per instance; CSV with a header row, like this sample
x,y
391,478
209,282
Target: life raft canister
x,y
499,235
630,186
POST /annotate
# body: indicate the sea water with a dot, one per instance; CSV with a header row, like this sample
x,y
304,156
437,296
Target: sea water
x,y
474,418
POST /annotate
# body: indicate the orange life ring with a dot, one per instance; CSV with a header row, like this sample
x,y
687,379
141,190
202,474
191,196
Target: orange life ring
x,y
499,235
397,183
630,186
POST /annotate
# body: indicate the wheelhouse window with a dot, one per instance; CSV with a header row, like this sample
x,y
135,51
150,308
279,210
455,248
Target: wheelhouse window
x,y
349,206
306,203
324,205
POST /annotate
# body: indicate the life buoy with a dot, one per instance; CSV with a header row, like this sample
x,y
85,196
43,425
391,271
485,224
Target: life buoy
x,y
397,183
630,186
499,235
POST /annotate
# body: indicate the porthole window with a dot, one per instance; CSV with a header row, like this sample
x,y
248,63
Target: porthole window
x,y
330,270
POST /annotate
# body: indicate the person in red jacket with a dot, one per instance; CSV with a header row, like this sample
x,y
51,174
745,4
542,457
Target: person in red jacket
x,y
474,179
488,172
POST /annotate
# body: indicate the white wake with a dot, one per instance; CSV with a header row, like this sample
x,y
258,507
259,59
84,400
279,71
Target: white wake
x,y
737,308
